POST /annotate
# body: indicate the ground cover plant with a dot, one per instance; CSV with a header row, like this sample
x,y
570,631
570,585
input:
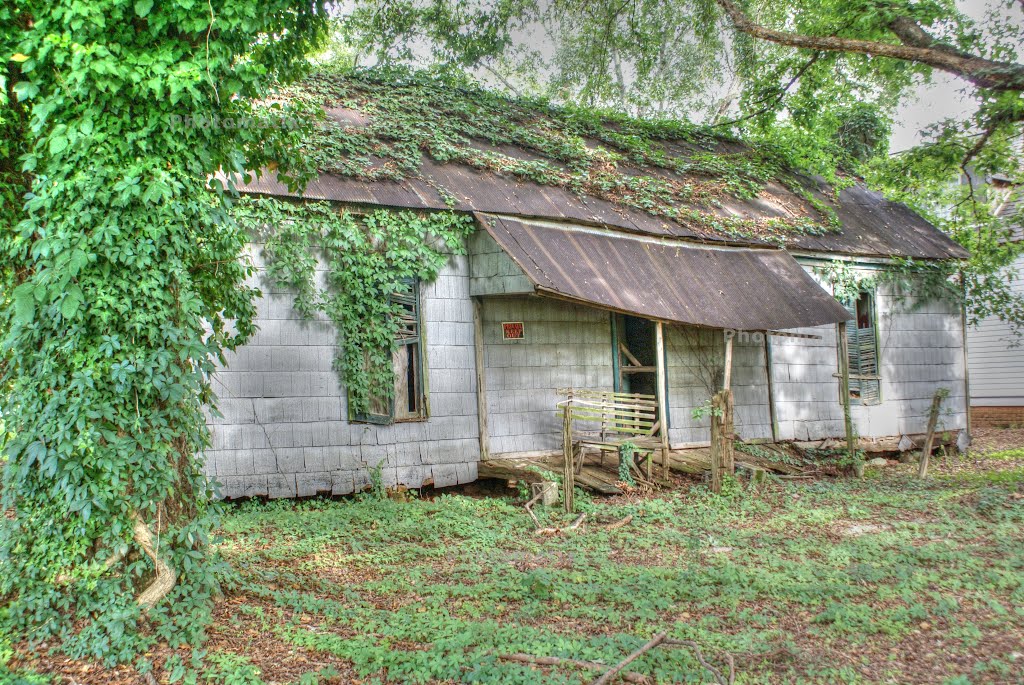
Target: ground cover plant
x,y
884,579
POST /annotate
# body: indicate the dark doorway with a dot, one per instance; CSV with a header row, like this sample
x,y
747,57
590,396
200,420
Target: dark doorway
x,y
637,356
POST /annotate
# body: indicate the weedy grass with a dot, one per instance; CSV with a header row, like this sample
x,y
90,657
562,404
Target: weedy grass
x,y
887,579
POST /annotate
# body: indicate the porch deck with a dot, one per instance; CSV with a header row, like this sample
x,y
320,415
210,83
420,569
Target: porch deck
x,y
602,476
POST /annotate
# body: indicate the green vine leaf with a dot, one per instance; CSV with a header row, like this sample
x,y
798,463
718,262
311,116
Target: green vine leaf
x,y
369,258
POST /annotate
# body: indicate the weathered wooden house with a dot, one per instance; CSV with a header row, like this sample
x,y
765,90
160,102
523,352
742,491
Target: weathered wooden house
x,y
569,284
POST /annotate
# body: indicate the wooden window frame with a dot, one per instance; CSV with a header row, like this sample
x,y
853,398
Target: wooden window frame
x,y
858,378
408,336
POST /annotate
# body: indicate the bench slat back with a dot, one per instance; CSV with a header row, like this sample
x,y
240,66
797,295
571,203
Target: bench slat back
x,y
606,412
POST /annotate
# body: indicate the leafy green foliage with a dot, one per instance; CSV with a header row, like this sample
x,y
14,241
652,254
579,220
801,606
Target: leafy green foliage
x,y
436,590
369,257
121,286
966,211
626,452
664,167
689,56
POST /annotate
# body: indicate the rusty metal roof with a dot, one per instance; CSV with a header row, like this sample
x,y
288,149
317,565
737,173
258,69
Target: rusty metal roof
x,y
675,281
871,225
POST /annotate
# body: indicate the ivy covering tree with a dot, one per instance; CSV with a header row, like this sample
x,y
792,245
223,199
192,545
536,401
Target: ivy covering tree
x,y
121,287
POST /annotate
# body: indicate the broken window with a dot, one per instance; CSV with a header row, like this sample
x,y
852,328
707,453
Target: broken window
x,y
408,401
862,341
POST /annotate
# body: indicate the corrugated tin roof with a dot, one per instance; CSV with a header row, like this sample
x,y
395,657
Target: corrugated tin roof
x,y
871,225
669,280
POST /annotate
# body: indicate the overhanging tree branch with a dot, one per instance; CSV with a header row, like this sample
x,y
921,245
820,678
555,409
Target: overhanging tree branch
x,y
916,46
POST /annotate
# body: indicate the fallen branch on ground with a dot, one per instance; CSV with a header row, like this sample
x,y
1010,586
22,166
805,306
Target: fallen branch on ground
x,y
618,524
555,531
720,678
618,671
654,642
663,639
529,509
628,676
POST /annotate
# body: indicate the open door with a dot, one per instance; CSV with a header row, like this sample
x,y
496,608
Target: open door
x,y
636,354
639,367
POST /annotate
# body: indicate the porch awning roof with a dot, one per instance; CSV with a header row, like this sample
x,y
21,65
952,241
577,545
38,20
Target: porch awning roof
x,y
715,287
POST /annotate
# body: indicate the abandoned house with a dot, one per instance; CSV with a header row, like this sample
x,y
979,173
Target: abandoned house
x,y
630,275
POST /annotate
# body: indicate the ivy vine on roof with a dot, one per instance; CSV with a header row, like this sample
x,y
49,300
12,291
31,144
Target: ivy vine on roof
x,y
668,168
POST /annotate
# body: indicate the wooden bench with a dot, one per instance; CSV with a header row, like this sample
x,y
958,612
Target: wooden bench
x,y
603,420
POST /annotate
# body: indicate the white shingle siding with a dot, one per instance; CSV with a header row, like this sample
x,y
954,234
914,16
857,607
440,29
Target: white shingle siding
x,y
492,271
920,351
285,433
996,358
565,345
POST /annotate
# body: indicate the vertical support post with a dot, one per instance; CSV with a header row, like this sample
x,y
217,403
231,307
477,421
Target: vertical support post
x,y
771,385
967,370
722,454
481,384
659,353
929,440
616,355
568,467
727,380
844,390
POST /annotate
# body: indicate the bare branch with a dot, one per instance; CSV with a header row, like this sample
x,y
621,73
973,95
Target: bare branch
x,y
165,578
720,677
610,675
628,676
555,531
983,73
779,94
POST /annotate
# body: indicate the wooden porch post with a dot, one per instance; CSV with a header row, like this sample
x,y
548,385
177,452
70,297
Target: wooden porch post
x,y
568,464
722,456
727,381
771,386
844,389
481,385
659,351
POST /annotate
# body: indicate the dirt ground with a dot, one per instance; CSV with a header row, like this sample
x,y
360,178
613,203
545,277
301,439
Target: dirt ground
x,y
987,440
858,585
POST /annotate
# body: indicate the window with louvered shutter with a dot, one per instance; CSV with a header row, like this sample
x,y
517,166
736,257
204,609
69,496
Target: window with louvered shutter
x,y
862,341
409,399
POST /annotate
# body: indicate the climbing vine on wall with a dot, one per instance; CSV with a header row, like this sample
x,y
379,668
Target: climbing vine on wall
x,y
910,282
847,281
367,258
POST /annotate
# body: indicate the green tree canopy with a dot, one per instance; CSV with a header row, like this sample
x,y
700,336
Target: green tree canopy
x,y
821,79
754,64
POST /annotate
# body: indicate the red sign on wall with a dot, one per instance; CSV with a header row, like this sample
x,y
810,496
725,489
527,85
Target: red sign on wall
x,y
513,330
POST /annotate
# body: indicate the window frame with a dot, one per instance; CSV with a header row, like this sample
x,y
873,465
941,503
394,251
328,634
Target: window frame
x,y
403,342
854,346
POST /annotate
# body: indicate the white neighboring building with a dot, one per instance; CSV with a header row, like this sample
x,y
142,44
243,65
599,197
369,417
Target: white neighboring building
x,y
995,357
